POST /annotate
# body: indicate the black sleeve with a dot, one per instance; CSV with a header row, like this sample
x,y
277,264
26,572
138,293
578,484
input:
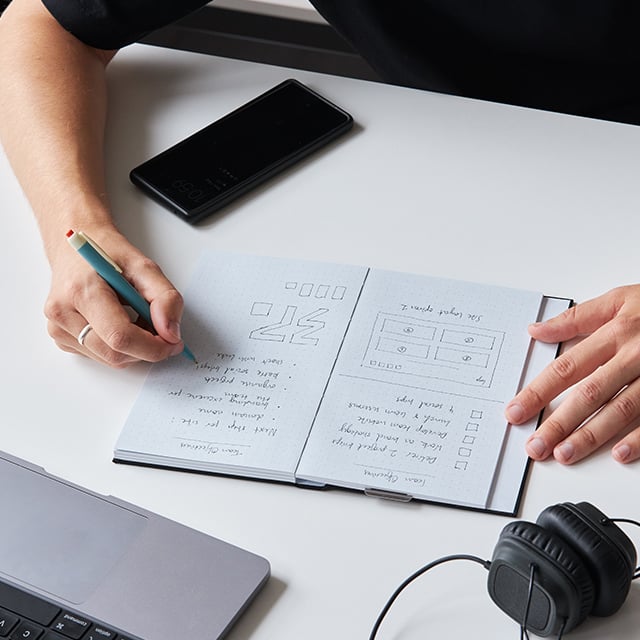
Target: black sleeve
x,y
112,24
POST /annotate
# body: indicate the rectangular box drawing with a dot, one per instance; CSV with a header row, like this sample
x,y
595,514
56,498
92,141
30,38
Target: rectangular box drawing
x,y
462,358
408,329
401,348
261,308
409,346
468,339
339,293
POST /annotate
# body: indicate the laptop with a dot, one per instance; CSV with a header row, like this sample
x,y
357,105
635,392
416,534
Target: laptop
x,y
77,564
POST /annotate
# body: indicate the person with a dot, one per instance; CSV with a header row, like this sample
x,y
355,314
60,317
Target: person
x,y
577,57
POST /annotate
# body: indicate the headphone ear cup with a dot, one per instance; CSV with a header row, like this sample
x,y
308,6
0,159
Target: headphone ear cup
x,y
563,591
606,551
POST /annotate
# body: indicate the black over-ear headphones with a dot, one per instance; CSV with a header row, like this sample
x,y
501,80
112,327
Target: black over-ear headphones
x,y
550,575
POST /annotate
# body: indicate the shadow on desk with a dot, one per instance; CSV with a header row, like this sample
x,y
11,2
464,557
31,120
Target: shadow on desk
x,y
621,626
259,609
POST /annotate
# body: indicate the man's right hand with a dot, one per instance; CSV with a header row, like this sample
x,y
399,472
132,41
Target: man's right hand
x,y
79,297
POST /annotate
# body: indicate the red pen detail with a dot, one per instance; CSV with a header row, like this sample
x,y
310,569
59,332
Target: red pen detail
x,y
70,233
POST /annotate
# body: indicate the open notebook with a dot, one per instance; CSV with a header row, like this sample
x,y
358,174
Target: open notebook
x,y
327,374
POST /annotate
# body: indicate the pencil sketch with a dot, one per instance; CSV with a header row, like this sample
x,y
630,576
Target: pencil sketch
x,y
293,326
261,308
404,345
309,289
468,440
296,324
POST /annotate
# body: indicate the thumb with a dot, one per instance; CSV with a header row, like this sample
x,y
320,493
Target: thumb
x,y
166,313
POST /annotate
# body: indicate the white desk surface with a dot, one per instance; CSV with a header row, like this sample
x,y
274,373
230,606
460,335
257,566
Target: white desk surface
x,y
426,183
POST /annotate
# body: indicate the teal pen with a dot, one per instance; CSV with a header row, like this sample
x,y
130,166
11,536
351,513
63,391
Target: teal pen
x,y
112,274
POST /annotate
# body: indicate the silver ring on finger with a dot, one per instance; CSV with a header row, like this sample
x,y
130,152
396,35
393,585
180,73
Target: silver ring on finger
x,y
83,334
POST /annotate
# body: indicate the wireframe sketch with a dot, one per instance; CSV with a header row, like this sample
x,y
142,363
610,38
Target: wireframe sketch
x,y
292,326
291,323
468,440
408,346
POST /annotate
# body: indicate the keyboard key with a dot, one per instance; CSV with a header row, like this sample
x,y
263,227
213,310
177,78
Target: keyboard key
x,y
7,622
100,633
26,631
24,616
70,625
27,605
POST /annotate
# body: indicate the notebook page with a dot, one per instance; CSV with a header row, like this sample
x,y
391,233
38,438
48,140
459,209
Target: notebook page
x,y
266,332
415,404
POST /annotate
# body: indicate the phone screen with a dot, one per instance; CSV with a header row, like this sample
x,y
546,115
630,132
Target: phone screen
x,y
217,164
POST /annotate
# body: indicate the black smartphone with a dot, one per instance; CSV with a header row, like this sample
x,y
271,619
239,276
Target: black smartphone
x,y
224,160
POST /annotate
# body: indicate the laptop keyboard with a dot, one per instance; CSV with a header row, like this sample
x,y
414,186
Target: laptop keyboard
x,y
24,616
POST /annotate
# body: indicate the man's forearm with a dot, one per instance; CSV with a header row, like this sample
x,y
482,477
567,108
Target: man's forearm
x,y
52,114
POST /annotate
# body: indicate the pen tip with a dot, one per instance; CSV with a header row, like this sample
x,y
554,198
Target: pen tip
x,y
187,353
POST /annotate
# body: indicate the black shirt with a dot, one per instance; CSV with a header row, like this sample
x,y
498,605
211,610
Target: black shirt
x,y
575,56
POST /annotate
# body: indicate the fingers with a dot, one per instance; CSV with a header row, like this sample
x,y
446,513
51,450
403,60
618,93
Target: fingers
x,y
628,449
165,300
117,340
79,297
166,313
594,413
582,319
604,371
92,346
65,327
566,370
114,339
613,327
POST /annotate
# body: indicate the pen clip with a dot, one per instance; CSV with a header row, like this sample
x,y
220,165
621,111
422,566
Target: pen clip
x,y
101,251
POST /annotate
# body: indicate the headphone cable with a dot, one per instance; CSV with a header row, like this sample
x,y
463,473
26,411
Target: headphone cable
x,y
562,628
485,563
524,634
